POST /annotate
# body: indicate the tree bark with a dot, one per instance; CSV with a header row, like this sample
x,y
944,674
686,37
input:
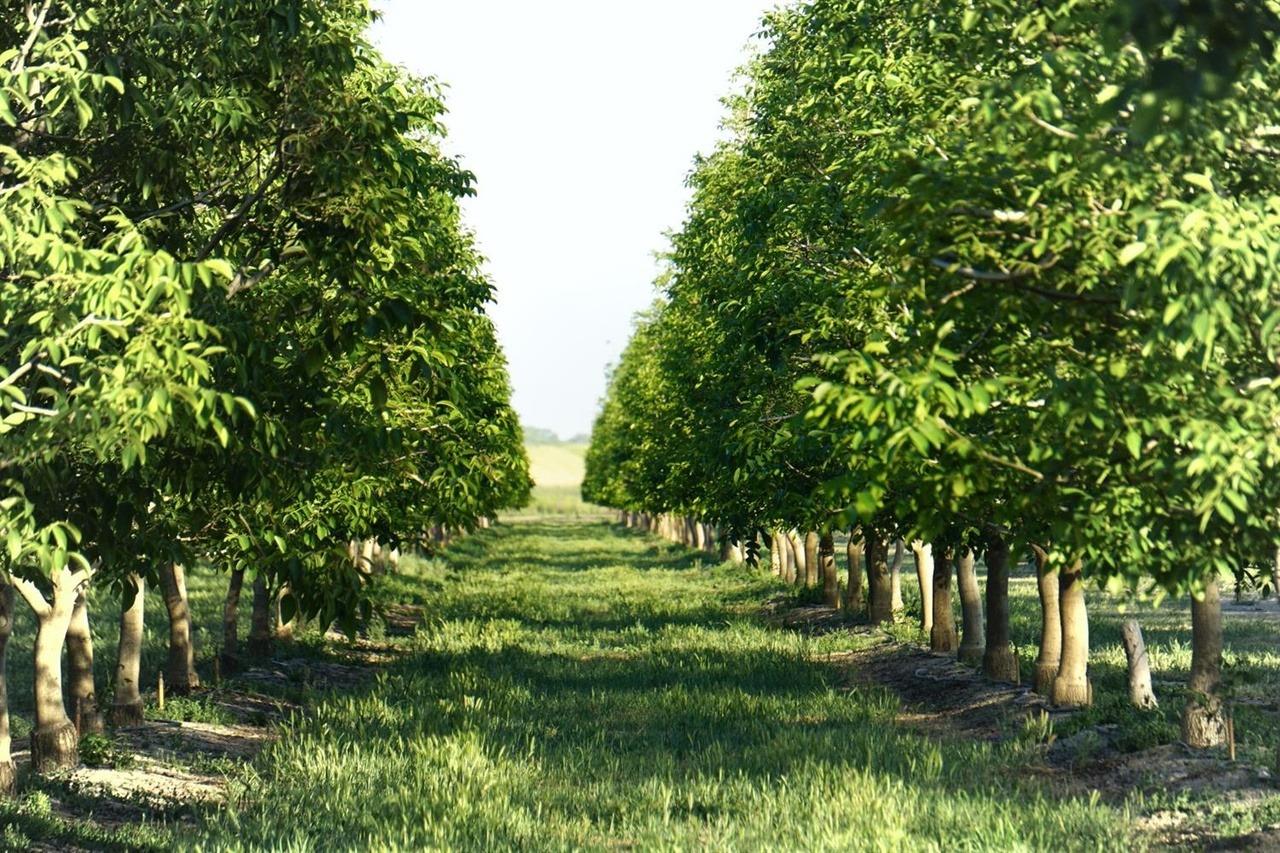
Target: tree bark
x,y
1050,624
8,772
1135,651
180,676
54,744
1275,577
284,627
924,576
880,584
798,557
972,642
261,644
1204,723
775,557
231,622
81,689
1071,687
830,575
854,596
943,636
811,559
127,707
999,661
895,573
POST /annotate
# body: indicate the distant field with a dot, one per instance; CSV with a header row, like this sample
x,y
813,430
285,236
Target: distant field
x,y
557,475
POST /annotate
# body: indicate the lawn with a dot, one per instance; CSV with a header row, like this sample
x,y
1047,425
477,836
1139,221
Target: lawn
x,y
557,471
578,687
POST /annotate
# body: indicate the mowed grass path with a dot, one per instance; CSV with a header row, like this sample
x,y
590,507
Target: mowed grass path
x,y
581,687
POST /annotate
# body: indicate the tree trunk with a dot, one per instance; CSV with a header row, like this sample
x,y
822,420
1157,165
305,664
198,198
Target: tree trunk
x,y
943,636
787,554
854,597
798,557
180,676
1204,724
999,661
924,576
971,639
775,555
1135,651
811,559
81,690
127,707
1050,624
1275,577
231,622
830,575
260,640
284,627
895,573
880,585
54,744
1071,687
8,772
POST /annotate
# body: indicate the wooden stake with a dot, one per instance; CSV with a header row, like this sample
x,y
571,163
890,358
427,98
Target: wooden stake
x,y
160,691
1231,734
217,669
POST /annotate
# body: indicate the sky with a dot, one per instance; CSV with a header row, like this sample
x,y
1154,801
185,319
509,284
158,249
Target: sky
x,y
581,120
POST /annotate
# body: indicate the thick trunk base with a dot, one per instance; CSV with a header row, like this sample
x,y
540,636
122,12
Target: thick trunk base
x,y
971,655
943,638
1071,692
127,715
8,779
55,749
1045,675
1204,725
1000,663
89,718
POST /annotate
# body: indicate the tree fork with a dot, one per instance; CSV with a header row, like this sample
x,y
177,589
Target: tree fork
x,y
54,742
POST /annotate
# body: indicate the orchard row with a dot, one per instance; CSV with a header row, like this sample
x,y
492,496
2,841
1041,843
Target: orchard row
x,y
243,325
1000,281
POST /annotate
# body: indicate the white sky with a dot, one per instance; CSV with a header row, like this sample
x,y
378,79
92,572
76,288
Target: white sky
x,y
581,119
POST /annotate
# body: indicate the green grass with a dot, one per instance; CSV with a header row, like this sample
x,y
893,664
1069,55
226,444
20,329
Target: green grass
x,y
557,471
1251,662
582,688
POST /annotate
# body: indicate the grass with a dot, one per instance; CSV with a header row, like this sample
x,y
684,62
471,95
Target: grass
x,y
557,471
582,688
1251,662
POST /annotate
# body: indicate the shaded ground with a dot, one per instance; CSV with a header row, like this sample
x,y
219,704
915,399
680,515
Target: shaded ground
x,y
943,698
